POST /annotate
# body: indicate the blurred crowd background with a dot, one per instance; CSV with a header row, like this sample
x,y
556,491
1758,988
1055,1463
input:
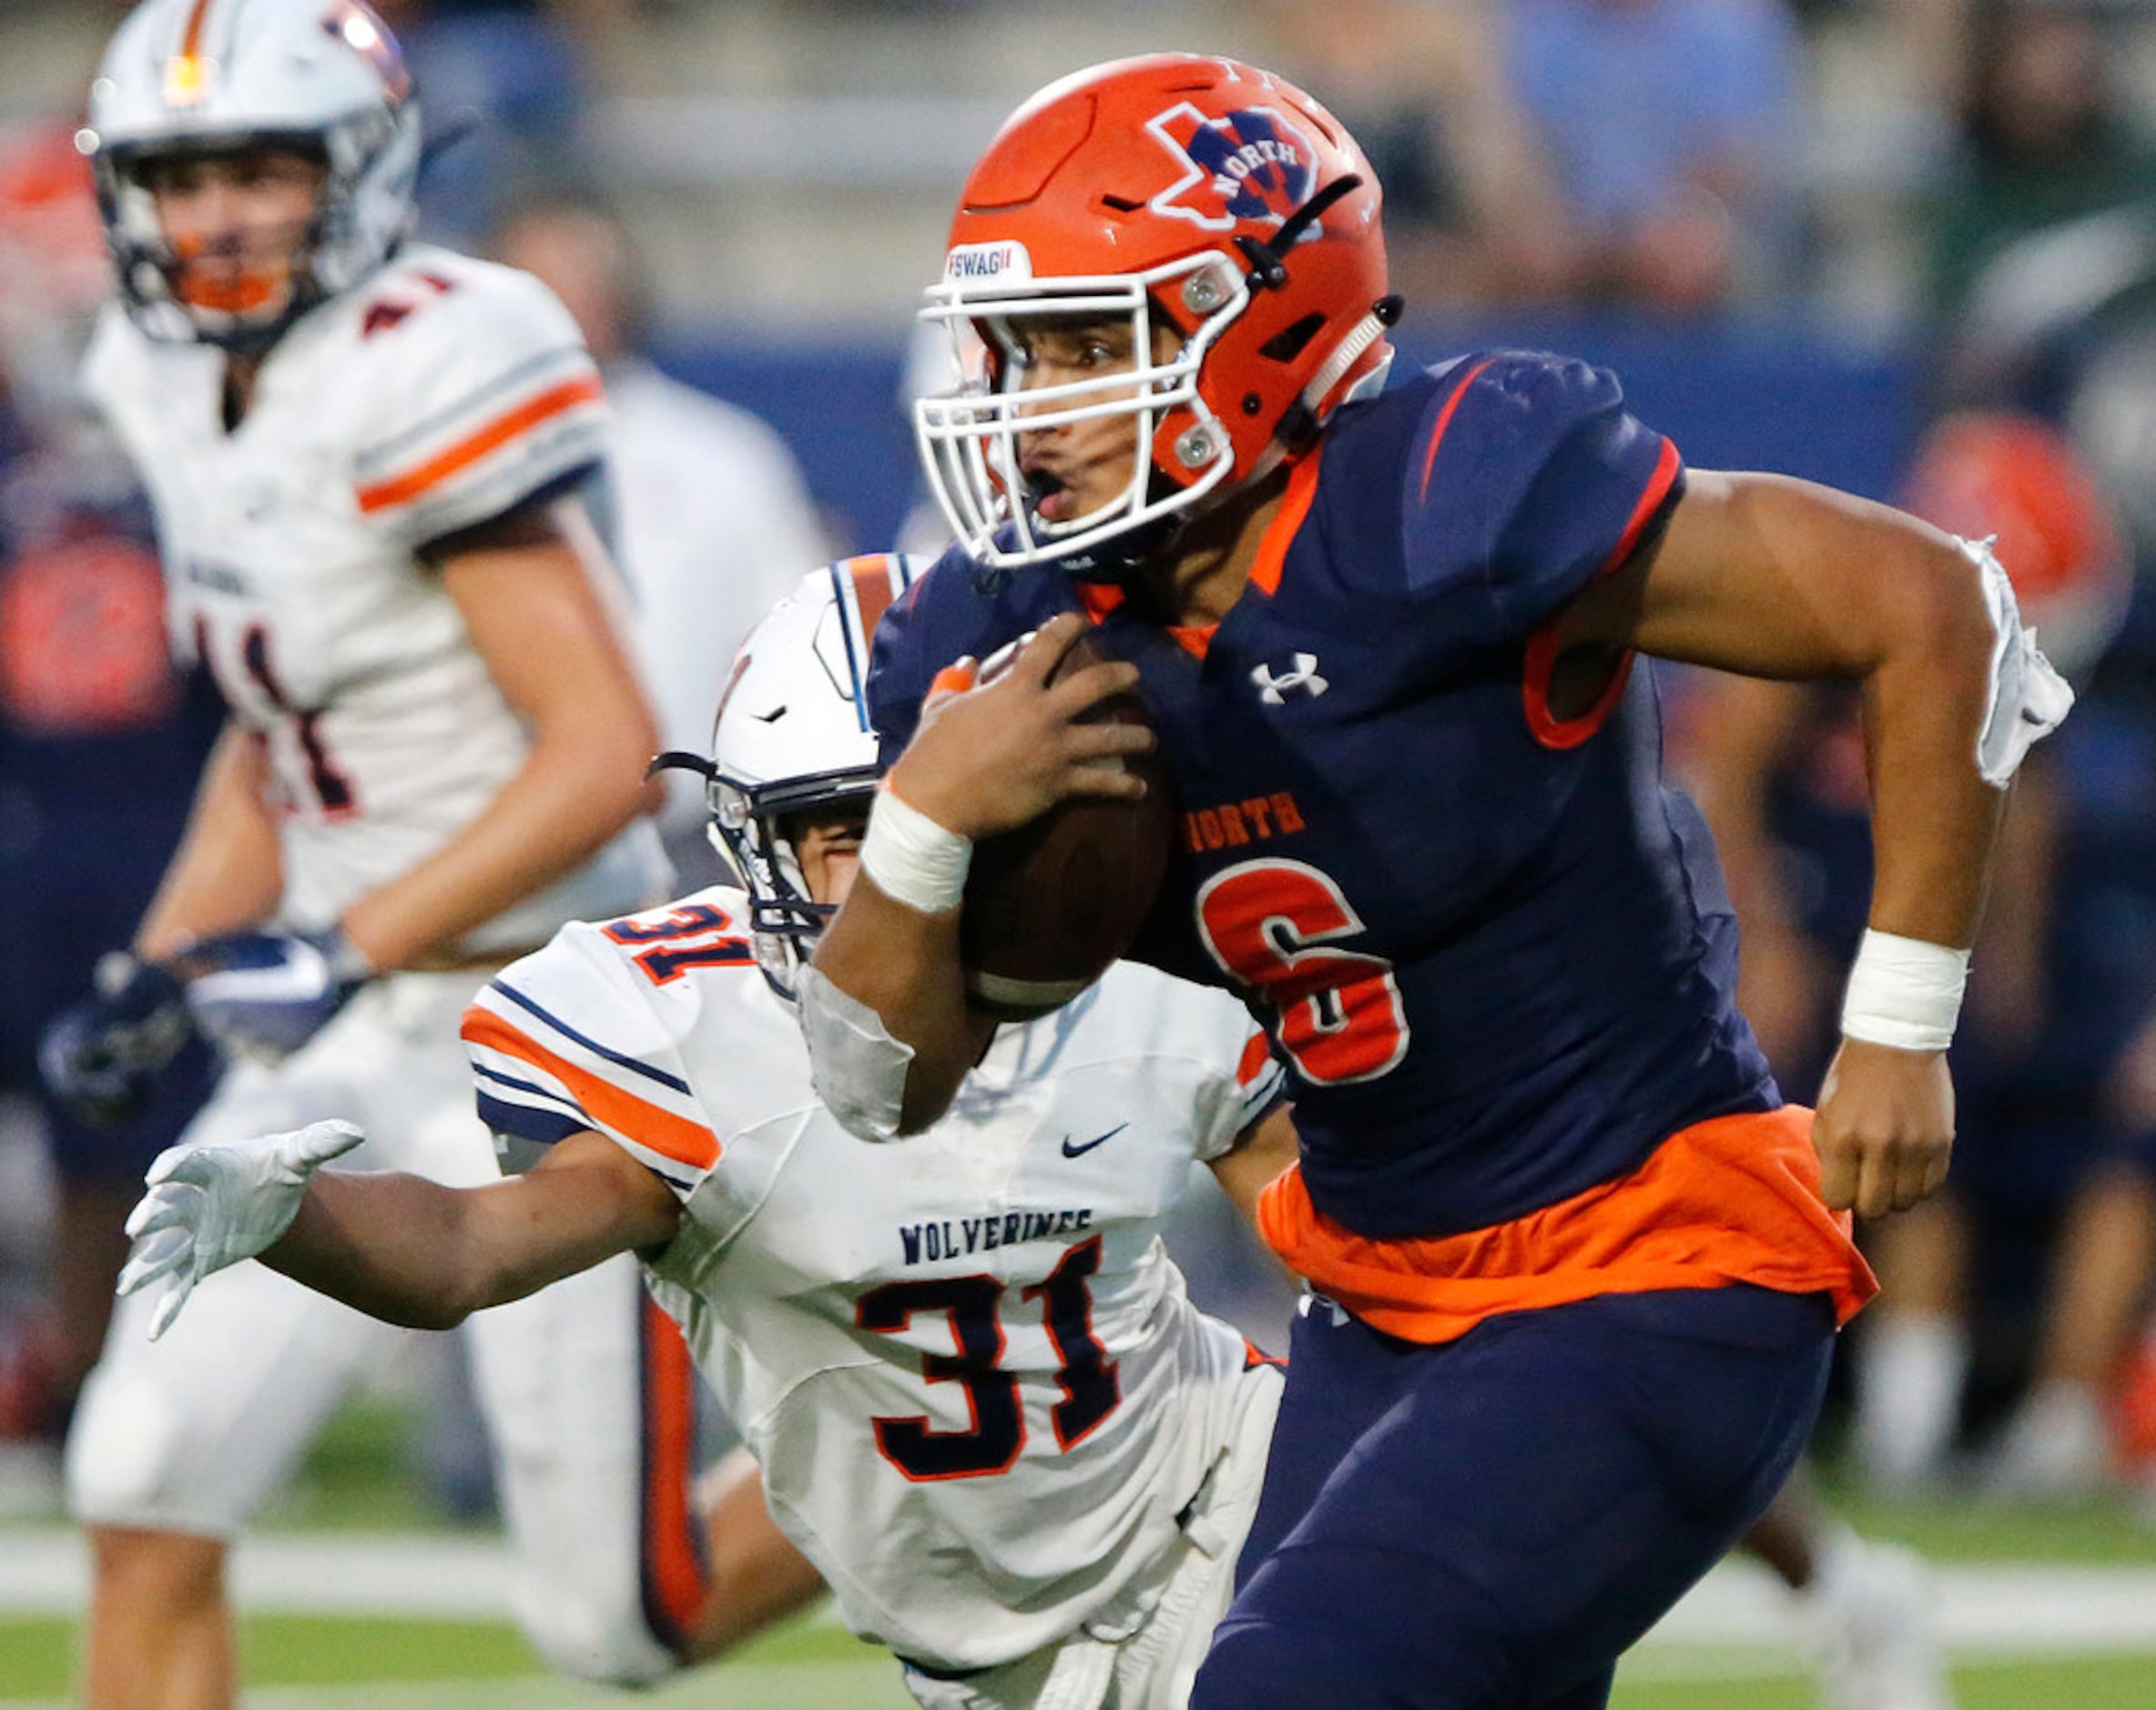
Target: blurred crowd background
x,y
1904,246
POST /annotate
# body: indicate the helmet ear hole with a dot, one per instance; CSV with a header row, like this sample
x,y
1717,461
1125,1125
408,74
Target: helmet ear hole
x,y
1289,342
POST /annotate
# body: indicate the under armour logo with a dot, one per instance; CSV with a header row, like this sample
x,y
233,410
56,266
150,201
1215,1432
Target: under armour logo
x,y
1273,689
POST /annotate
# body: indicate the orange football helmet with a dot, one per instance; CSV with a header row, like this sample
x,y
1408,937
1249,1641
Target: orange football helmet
x,y
1199,194
2019,480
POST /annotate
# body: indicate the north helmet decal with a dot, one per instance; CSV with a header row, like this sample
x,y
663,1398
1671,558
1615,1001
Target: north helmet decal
x,y
1249,166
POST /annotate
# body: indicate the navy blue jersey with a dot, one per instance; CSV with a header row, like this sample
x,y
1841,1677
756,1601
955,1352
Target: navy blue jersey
x,y
1495,948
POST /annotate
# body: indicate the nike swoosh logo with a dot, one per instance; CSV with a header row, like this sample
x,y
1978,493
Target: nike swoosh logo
x,y
1071,1151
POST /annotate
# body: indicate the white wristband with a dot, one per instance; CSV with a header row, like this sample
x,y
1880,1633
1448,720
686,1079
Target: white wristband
x,y
1904,993
913,860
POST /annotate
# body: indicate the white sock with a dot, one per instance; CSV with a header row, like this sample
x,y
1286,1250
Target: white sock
x,y
2055,1444
1909,1374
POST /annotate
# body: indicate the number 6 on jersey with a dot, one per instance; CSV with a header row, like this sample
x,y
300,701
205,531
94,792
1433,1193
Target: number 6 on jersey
x,y
1338,1012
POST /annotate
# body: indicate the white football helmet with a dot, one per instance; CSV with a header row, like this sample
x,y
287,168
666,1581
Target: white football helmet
x,y
205,77
793,735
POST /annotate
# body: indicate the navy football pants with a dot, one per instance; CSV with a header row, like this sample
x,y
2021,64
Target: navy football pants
x,y
1489,1523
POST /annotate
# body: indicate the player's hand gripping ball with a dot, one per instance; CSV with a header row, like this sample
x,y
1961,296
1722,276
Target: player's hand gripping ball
x,y
1049,906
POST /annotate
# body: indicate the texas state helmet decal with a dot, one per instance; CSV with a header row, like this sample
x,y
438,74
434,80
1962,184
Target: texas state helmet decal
x,y
1247,164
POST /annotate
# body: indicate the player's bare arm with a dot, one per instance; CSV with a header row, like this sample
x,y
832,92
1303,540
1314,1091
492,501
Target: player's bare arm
x,y
1775,578
395,1246
411,1251
532,603
226,875
1266,1148
984,760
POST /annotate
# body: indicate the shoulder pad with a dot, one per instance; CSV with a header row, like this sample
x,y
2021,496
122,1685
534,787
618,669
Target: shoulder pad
x,y
478,392
1527,476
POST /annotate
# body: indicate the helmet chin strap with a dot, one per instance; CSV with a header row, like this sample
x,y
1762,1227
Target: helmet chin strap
x,y
1115,560
680,761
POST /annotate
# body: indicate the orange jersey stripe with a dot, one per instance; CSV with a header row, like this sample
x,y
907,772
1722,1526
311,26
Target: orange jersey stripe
x,y
673,1136
872,588
190,38
1280,533
675,1572
1658,489
382,495
1733,1200
1536,670
1195,639
1549,731
1192,639
1098,598
1437,435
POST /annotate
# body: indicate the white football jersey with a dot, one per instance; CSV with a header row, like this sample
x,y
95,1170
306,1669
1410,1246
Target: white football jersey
x,y
979,1393
438,395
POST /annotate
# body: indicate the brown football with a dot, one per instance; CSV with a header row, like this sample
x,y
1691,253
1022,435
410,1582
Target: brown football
x,y
1050,904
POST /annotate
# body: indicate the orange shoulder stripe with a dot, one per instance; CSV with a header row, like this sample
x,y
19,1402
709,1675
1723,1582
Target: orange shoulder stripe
x,y
673,1136
1657,489
1549,731
401,489
1437,435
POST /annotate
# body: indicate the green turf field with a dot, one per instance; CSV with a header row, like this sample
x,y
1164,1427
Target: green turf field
x,y
295,1663
305,1664
360,1478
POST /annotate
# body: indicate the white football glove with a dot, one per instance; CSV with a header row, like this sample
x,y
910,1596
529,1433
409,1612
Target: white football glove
x,y
210,1207
265,995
